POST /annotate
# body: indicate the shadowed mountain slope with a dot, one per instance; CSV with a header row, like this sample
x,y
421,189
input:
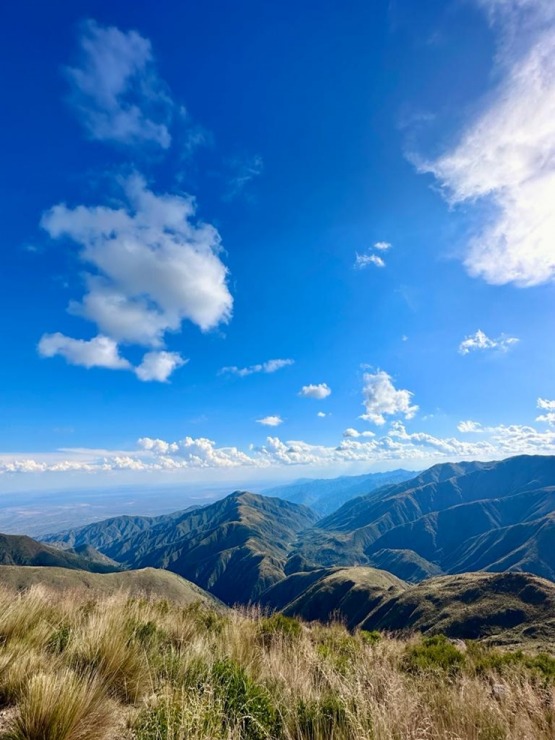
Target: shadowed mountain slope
x,y
235,548
450,519
24,551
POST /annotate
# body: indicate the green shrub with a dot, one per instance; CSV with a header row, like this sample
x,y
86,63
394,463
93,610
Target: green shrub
x,y
278,625
486,660
370,638
321,718
246,704
433,654
59,639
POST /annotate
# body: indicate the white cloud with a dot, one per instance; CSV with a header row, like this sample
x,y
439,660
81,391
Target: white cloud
x,y
470,427
382,246
363,260
480,341
159,366
270,366
270,421
321,415
506,155
381,398
97,352
154,266
319,391
549,407
396,445
116,90
354,433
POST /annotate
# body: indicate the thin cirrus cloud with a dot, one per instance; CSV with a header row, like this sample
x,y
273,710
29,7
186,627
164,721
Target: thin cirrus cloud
x,y
382,399
115,89
479,341
242,171
505,157
270,421
318,391
270,366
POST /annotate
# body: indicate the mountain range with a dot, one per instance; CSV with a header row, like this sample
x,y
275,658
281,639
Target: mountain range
x,y
326,495
477,539
235,548
451,518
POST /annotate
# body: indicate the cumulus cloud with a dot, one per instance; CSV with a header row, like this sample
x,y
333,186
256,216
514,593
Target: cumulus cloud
x,y
382,399
100,351
270,366
396,445
115,88
154,266
505,156
470,427
480,341
319,391
351,433
382,246
159,366
270,421
321,415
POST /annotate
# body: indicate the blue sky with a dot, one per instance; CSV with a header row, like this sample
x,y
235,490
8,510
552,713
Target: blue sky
x,y
269,239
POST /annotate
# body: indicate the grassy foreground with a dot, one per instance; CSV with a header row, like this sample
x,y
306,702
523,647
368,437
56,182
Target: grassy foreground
x,y
76,669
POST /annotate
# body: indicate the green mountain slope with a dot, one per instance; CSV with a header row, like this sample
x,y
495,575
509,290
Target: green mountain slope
x,y
235,548
347,594
24,551
513,607
159,584
449,519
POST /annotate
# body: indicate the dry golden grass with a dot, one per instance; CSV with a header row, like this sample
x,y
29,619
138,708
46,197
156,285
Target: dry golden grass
x,y
74,669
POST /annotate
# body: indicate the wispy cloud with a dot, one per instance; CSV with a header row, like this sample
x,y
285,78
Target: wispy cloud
x,y
370,257
270,366
242,171
363,260
116,90
505,156
549,408
481,342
